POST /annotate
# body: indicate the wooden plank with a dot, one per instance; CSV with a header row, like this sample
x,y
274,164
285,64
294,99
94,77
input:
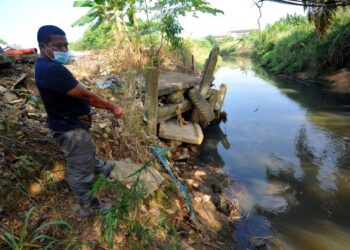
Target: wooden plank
x,y
221,96
151,102
169,111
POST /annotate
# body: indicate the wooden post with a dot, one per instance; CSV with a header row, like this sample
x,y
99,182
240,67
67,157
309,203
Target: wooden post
x,y
213,99
192,63
208,73
221,96
151,102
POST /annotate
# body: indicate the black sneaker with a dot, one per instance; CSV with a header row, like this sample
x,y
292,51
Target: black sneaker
x,y
94,206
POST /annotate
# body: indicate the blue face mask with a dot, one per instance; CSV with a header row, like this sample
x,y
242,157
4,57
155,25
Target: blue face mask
x,y
60,57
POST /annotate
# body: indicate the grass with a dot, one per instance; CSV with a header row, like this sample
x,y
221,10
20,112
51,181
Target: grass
x,y
32,237
291,46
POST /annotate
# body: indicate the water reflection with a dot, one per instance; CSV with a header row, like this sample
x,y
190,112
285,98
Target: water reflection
x,y
291,155
209,148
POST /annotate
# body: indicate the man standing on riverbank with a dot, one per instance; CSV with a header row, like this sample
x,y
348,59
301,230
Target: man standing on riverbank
x,y
67,103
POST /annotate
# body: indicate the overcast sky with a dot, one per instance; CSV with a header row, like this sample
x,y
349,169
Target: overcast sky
x,y
20,19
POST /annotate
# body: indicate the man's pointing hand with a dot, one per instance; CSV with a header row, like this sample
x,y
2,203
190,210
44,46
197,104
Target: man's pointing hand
x,y
118,111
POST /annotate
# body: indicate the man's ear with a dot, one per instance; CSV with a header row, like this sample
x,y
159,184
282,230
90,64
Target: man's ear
x,y
42,45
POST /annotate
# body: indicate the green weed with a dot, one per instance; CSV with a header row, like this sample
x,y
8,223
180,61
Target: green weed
x,y
32,238
291,45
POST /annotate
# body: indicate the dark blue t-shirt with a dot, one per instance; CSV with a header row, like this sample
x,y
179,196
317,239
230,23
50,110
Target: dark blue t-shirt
x,y
54,81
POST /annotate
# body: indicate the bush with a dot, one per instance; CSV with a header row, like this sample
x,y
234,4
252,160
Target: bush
x,y
292,45
99,38
228,47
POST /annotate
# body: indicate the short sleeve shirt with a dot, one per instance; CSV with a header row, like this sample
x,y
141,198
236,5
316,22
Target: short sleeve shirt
x,y
54,81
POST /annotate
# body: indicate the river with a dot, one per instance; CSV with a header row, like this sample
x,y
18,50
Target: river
x,y
289,158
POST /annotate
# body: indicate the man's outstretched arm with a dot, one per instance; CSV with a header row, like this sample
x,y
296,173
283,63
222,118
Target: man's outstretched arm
x,y
82,93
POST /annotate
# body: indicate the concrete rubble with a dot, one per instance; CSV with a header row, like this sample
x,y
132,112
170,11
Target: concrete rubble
x,y
189,133
124,171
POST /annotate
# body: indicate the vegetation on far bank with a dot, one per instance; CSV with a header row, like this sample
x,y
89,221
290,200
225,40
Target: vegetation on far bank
x,y
292,45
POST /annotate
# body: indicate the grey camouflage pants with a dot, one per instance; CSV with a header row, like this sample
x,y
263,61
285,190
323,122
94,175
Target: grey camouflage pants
x,y
82,162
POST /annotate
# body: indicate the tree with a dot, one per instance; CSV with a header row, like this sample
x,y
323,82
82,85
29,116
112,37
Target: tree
x,y
3,42
160,18
320,12
98,38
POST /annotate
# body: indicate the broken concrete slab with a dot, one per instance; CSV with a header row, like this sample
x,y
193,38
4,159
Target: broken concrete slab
x,y
190,133
9,97
150,178
170,82
2,89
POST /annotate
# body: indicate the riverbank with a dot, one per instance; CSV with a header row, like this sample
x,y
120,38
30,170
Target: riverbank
x,y
34,185
292,48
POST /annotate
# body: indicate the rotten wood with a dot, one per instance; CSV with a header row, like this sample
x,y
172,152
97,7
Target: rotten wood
x,y
18,81
151,102
169,111
221,96
207,78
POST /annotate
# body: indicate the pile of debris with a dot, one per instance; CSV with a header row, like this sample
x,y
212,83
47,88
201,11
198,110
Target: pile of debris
x,y
189,99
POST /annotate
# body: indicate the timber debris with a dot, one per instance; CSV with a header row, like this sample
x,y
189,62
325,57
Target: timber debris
x,y
189,98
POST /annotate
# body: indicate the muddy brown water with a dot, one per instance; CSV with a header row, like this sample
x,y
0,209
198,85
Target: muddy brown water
x,y
286,145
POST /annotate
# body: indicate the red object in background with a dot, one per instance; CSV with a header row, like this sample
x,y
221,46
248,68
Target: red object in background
x,y
21,51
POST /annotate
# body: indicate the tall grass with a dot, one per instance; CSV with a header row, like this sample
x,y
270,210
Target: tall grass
x,y
292,45
29,238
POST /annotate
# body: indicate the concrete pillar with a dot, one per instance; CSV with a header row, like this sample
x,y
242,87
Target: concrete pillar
x,y
151,102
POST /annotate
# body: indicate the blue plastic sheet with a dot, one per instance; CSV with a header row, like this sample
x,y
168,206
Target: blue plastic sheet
x,y
161,155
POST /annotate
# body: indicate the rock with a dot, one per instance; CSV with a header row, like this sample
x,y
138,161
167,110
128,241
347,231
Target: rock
x,y
207,214
33,115
273,204
199,174
2,89
29,108
9,97
182,155
225,206
190,133
189,182
216,188
102,125
170,211
185,246
206,198
150,178
198,198
195,185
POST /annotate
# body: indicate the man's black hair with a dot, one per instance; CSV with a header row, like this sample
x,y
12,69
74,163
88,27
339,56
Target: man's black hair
x,y
45,32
